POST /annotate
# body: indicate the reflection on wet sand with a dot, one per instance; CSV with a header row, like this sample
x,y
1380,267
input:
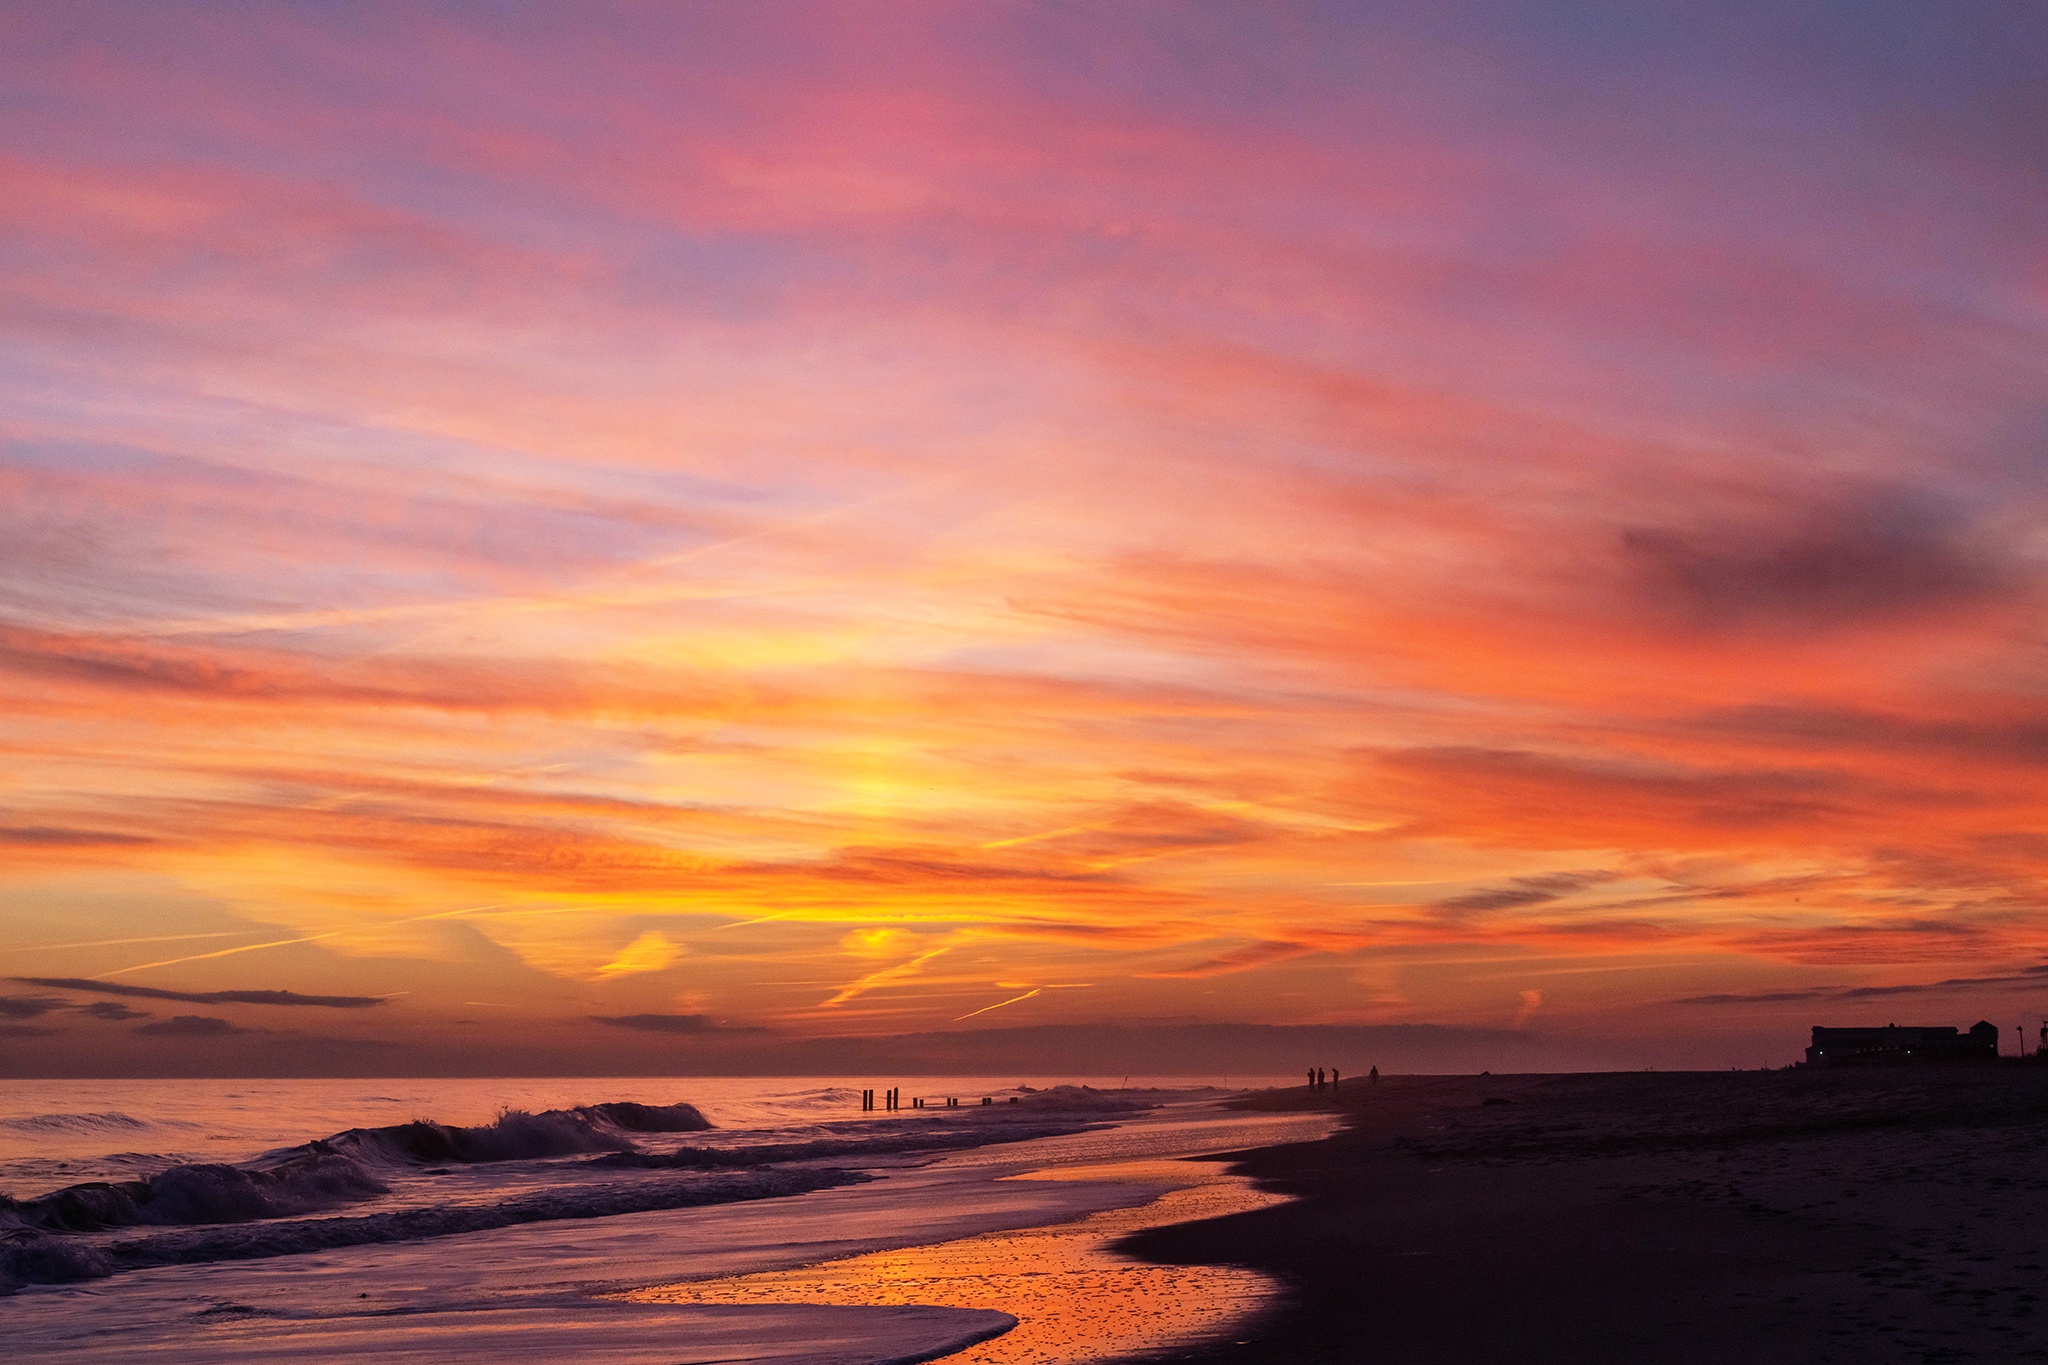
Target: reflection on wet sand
x,y
1074,1300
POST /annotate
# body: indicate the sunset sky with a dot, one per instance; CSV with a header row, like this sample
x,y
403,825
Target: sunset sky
x,y
598,531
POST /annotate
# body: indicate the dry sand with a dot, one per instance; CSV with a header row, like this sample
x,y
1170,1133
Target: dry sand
x,y
1867,1217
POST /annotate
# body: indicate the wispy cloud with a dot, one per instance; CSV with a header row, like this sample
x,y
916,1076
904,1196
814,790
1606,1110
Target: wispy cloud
x,y
1239,959
651,952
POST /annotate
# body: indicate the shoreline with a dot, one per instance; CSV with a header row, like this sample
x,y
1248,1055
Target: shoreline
x,y
1070,1296
1786,1217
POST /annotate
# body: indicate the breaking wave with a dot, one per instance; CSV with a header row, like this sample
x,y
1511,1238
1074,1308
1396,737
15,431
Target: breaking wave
x,y
284,1201
515,1135
344,1169
198,1193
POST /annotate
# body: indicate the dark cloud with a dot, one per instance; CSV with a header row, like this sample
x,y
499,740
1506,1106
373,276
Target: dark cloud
x,y
50,836
1872,556
111,1009
2015,738
2033,976
35,1006
190,1026
24,1031
698,1024
1520,891
73,983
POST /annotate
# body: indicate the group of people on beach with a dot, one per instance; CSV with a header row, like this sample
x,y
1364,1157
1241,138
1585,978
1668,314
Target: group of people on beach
x,y
1317,1082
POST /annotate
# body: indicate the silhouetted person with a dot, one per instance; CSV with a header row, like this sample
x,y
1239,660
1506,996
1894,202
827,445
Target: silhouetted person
x,y
1311,1078
1373,1077
1333,1078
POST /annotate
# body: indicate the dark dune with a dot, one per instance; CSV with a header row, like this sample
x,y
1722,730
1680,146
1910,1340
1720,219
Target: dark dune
x,y
1708,1217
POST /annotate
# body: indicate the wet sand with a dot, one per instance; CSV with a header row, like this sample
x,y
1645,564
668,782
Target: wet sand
x,y
1070,1295
1073,1299
1712,1217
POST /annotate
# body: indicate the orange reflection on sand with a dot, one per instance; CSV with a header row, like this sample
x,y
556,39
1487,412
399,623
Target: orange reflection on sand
x,y
1074,1300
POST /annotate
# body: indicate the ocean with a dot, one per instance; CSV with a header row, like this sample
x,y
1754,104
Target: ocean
x,y
670,1220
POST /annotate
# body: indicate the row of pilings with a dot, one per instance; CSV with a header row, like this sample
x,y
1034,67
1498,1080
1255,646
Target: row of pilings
x,y
892,1099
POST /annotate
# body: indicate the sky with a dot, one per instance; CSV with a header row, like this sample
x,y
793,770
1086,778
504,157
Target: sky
x,y
669,537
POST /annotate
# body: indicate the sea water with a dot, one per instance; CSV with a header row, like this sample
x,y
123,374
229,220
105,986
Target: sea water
x,y
323,1220
58,1132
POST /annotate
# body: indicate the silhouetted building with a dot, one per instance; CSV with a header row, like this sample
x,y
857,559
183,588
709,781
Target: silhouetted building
x,y
1895,1046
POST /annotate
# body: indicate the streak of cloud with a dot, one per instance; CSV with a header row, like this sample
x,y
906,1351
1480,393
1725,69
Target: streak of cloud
x,y
238,997
1030,994
885,977
119,942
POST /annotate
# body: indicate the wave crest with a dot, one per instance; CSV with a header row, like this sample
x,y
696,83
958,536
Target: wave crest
x,y
80,1123
515,1135
200,1193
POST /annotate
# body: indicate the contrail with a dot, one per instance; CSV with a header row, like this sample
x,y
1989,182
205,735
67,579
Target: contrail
x,y
743,923
118,942
287,942
225,952
885,976
1000,1003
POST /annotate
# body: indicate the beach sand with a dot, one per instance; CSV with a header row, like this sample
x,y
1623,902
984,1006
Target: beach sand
x,y
1072,1298
1810,1217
